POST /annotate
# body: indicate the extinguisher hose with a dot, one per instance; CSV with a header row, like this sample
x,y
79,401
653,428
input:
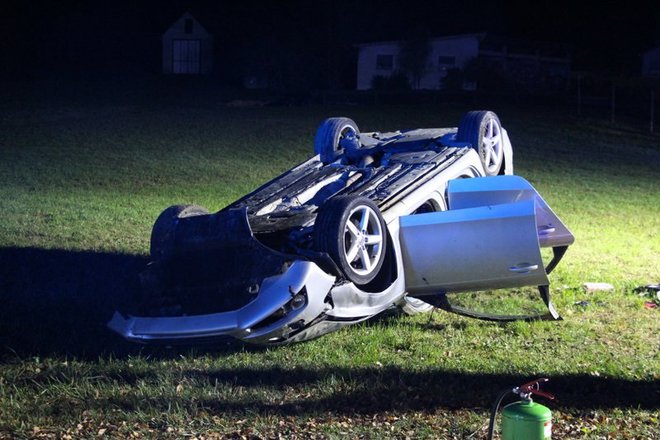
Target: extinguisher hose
x,y
493,412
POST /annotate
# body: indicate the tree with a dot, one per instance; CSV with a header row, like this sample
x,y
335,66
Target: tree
x,y
488,77
453,80
397,81
413,57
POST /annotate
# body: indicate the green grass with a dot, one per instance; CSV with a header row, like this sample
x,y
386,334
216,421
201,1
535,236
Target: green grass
x,y
81,186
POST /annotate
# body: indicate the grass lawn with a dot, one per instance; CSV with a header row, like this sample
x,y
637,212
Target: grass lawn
x,y
82,182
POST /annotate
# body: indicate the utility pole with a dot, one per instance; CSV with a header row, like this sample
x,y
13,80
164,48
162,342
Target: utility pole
x,y
613,109
579,94
651,128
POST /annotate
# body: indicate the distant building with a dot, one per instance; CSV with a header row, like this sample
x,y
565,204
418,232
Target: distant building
x,y
651,63
532,63
187,48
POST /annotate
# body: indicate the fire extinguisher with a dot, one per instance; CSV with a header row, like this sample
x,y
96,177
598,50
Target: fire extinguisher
x,y
525,419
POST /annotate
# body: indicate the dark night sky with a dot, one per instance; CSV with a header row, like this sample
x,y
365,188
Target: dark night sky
x,y
601,36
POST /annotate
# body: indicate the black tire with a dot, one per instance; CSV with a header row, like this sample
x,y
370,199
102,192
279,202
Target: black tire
x,y
333,234
162,233
474,129
329,135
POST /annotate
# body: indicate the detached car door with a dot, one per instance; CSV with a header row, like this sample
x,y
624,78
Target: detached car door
x,y
489,238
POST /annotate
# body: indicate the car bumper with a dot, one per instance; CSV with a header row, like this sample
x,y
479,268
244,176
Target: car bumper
x,y
286,304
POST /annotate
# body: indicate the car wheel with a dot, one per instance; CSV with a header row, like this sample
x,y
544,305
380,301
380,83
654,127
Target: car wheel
x,y
353,232
482,129
162,234
332,136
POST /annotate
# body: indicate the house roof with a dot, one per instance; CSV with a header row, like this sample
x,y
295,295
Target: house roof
x,y
199,28
443,38
494,42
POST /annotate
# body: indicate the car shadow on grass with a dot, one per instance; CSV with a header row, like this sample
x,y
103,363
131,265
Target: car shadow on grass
x,y
370,391
57,302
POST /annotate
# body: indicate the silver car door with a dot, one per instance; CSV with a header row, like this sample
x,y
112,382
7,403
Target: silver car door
x,y
489,238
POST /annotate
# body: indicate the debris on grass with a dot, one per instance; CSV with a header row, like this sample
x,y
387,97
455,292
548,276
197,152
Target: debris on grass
x,y
651,291
582,303
598,287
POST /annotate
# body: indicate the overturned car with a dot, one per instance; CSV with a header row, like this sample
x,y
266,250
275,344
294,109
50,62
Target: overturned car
x,y
372,221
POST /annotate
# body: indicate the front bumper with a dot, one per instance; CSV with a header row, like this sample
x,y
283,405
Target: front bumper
x,y
272,317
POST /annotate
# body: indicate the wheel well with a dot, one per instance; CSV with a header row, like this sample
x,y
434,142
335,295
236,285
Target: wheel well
x,y
503,167
388,272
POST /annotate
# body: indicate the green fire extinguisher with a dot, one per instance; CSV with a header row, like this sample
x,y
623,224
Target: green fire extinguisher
x,y
525,419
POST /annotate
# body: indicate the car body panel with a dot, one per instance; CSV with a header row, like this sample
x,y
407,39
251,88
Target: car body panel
x,y
472,249
470,193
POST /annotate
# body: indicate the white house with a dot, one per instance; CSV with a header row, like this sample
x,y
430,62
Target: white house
x,y
524,61
382,59
651,62
187,48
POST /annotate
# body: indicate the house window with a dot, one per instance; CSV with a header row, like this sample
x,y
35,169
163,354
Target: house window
x,y
384,62
188,26
446,62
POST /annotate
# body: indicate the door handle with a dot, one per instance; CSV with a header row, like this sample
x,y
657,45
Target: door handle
x,y
546,229
523,268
